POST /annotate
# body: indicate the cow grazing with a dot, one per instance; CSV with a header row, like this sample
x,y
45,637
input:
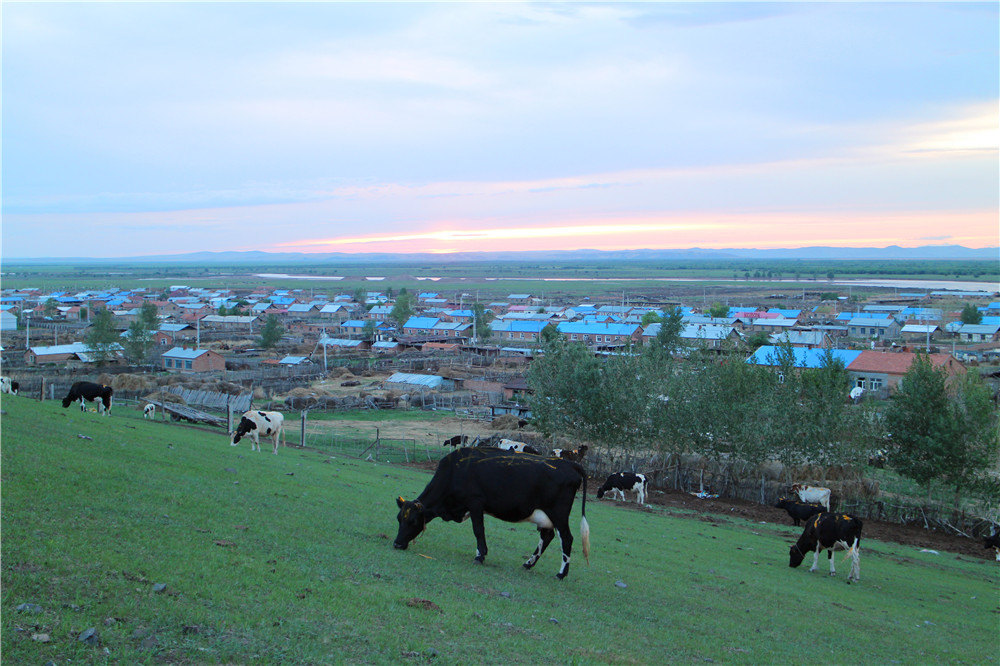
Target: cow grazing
x,y
570,454
830,531
799,510
457,440
812,494
472,482
256,423
89,391
8,385
993,541
619,482
149,411
518,447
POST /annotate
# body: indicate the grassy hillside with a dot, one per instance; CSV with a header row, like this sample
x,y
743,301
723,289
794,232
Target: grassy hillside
x,y
288,559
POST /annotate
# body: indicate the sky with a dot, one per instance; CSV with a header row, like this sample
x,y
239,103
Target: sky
x,y
137,128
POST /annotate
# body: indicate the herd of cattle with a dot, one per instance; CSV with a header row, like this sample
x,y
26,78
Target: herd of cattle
x,y
514,482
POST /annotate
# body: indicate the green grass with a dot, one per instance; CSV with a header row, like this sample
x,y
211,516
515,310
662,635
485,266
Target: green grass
x,y
305,572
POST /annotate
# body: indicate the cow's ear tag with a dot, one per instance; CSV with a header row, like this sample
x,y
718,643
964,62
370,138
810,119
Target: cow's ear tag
x,y
399,502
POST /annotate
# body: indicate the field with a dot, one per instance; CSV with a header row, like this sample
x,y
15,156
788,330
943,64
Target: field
x,y
287,559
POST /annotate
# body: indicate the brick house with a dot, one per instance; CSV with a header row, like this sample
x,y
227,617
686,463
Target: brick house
x,y
601,333
877,370
181,359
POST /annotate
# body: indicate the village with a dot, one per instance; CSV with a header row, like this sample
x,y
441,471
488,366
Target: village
x,y
447,342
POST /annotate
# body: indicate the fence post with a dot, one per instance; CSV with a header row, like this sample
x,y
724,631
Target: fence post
x,y
302,435
229,414
41,390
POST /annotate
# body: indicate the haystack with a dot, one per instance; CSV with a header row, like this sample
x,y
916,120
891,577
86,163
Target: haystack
x,y
165,396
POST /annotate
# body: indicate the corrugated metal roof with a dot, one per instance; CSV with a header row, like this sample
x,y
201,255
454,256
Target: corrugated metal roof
x,y
804,358
430,381
180,352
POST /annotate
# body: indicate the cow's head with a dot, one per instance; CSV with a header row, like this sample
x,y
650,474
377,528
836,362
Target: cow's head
x,y
412,519
245,426
795,556
67,401
782,503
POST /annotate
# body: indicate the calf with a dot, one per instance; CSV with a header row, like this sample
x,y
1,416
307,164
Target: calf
x,y
799,510
830,531
472,482
812,494
993,541
256,423
570,454
149,411
457,440
89,391
619,482
8,385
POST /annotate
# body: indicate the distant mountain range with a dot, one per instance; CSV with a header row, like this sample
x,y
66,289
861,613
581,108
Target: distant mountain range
x,y
953,252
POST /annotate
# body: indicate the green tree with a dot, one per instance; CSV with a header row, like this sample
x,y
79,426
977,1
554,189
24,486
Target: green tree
x,y
50,308
402,310
360,295
550,334
668,337
482,317
271,333
368,330
971,314
650,318
758,340
943,436
718,310
102,338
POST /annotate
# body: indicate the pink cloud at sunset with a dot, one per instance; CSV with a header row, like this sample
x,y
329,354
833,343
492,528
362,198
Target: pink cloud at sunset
x,y
758,230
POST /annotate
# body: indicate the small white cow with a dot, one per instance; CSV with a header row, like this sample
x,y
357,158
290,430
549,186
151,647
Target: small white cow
x,y
149,411
256,423
619,482
816,494
7,385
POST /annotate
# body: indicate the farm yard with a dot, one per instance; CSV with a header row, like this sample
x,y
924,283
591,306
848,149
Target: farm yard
x,y
173,546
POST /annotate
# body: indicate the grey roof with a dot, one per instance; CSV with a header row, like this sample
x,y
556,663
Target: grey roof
x,y
430,381
180,352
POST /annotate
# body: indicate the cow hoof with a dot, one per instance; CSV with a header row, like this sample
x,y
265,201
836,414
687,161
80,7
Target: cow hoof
x,y
560,576
833,573
479,560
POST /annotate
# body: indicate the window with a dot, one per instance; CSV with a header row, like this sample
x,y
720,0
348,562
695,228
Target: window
x,y
875,384
860,382
597,338
168,362
187,365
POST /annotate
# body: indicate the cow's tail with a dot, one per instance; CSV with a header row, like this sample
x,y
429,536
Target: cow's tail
x,y
584,527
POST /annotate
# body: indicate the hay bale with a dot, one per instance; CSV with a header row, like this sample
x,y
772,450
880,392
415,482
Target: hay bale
x,y
504,422
127,382
870,488
771,470
165,396
105,379
258,393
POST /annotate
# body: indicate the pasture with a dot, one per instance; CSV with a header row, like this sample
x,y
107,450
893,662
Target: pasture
x,y
288,558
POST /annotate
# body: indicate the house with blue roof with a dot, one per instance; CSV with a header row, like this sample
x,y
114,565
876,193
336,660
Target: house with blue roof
x,y
352,327
515,329
420,325
594,333
804,358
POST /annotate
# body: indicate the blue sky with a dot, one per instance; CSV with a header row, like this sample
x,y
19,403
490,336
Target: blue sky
x,y
149,128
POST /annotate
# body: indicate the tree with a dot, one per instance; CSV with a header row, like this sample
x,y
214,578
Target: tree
x,y
50,307
943,436
402,310
668,337
650,318
758,340
102,337
360,295
368,330
971,314
271,333
138,342
718,310
482,317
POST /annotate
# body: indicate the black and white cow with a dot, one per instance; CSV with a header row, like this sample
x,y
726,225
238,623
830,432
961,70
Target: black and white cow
x,y
993,541
256,423
149,411
457,440
619,482
799,510
830,531
473,482
518,447
89,391
571,454
8,385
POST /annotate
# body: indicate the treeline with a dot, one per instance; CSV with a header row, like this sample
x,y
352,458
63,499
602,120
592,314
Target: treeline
x,y
941,434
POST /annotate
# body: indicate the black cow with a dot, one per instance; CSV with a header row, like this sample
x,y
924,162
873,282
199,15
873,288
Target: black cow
x,y
993,541
619,482
89,391
831,531
457,440
471,482
799,510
